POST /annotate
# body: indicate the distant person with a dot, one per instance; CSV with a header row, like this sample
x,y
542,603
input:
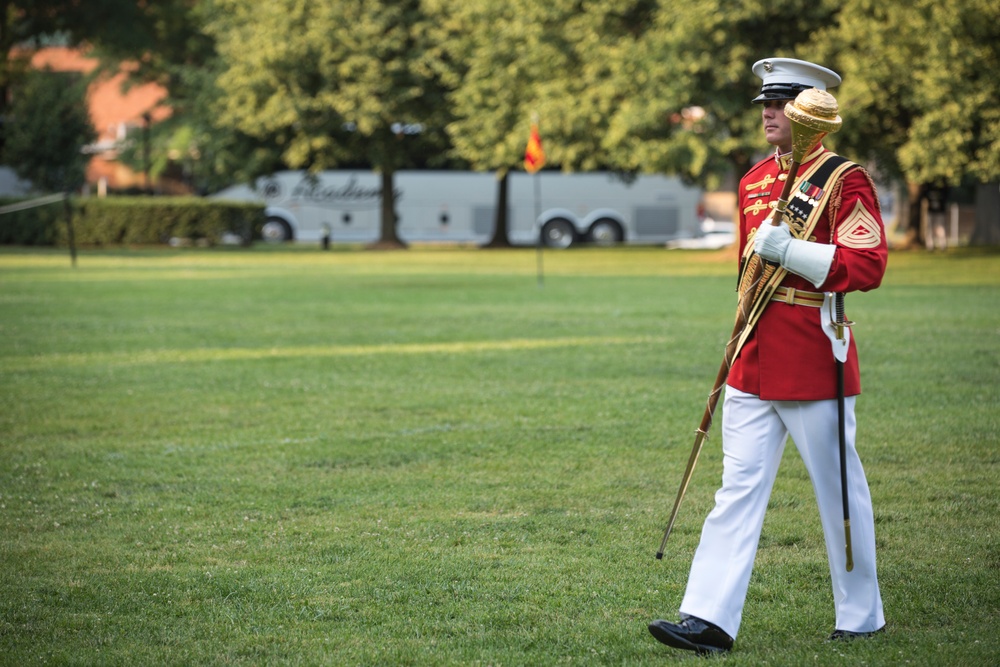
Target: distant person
x,y
784,381
937,209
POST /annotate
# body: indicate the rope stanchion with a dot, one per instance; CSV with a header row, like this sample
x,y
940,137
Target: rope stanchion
x,y
45,201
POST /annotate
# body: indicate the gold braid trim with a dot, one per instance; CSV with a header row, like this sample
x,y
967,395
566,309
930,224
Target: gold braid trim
x,y
836,199
871,182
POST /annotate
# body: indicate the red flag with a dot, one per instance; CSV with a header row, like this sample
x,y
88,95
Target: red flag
x,y
534,156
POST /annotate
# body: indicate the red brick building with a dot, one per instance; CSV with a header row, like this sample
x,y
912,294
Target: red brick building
x,y
114,111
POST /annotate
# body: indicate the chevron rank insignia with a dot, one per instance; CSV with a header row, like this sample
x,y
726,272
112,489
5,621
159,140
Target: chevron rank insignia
x,y
860,230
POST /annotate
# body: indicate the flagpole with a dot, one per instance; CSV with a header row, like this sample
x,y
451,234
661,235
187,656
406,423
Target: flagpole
x,y
538,226
534,160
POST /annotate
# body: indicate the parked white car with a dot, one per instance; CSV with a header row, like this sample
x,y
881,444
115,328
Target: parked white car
x,y
714,235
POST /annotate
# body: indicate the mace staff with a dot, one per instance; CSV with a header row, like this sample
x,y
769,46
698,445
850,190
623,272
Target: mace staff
x,y
813,115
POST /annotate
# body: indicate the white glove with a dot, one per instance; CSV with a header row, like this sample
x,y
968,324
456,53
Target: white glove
x,y
803,258
810,260
762,230
770,242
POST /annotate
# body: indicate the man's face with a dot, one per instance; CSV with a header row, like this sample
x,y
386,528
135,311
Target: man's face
x,y
777,127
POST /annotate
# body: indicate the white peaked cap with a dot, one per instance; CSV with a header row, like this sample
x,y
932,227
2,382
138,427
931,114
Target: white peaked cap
x,y
784,78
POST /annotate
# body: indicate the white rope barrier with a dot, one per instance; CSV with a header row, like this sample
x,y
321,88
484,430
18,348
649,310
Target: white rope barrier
x,y
32,203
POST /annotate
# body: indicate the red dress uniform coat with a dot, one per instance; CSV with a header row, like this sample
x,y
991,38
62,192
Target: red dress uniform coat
x,y
788,357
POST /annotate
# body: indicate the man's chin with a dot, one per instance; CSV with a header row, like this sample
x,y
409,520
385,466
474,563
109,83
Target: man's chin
x,y
773,138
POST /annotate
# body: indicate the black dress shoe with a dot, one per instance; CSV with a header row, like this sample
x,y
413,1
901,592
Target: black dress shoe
x,y
848,635
692,634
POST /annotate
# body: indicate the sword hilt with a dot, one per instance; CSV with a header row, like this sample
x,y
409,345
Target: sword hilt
x,y
840,321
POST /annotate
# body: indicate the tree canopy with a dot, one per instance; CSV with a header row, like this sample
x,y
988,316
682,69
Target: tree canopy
x,y
334,82
47,127
921,84
956,127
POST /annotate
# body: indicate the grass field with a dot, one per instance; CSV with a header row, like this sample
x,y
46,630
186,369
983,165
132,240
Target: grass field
x,y
268,456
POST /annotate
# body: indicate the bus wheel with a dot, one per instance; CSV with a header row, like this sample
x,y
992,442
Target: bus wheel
x,y
558,233
276,230
605,232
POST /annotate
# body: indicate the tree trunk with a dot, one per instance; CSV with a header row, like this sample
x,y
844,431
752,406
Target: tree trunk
x,y
910,217
500,237
987,229
388,236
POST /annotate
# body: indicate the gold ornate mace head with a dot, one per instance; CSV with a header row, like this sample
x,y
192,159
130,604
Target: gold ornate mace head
x,y
814,115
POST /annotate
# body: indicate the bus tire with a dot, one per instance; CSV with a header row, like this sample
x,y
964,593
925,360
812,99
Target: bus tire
x,y
558,233
605,232
276,230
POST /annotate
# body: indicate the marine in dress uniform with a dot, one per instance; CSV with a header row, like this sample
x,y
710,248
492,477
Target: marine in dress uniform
x,y
784,380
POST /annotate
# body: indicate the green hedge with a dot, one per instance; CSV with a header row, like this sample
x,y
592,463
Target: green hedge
x,y
33,226
110,221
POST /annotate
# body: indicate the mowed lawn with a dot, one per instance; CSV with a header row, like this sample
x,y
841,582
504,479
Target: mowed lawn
x,y
432,457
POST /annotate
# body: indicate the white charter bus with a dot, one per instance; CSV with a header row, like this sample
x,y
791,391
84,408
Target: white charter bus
x,y
458,207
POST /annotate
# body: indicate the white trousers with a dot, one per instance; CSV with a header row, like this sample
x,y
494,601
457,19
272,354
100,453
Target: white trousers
x,y
753,439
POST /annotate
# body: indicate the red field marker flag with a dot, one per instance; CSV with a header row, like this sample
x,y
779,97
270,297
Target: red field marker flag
x,y
534,155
